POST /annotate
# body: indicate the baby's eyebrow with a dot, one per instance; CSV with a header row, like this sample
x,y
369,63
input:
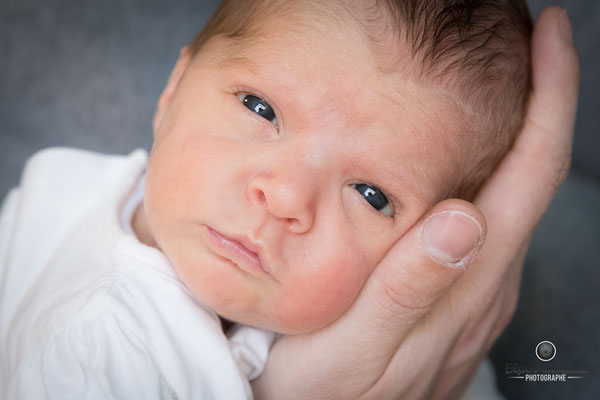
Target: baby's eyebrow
x,y
242,63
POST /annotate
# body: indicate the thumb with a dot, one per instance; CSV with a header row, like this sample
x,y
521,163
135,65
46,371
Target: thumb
x,y
418,270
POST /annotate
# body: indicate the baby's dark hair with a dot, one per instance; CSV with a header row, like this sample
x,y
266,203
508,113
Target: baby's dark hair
x,y
477,51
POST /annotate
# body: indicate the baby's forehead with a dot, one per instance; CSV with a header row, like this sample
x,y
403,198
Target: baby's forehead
x,y
332,26
315,31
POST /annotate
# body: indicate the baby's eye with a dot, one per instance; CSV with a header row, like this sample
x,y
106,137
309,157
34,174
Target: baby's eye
x,y
376,198
259,106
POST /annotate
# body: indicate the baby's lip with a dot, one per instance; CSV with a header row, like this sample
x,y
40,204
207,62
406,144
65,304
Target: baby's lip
x,y
238,249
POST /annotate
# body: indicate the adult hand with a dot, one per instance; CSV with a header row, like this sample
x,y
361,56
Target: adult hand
x,y
417,330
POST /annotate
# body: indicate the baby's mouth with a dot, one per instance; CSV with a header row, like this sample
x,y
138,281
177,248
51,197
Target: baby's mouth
x,y
237,251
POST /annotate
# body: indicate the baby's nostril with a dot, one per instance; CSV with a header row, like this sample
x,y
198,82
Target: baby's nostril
x,y
261,196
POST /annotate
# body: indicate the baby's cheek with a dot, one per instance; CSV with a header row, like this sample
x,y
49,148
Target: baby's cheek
x,y
321,293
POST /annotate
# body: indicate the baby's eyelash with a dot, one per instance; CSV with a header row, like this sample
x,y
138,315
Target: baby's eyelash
x,y
254,92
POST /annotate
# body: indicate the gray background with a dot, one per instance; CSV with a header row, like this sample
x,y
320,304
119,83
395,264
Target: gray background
x,y
88,73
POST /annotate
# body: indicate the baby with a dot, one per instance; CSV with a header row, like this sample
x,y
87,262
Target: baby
x,y
294,144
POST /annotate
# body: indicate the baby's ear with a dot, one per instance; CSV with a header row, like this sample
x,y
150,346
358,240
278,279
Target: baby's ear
x,y
169,90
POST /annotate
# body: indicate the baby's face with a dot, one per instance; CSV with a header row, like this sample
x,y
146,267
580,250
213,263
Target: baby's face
x,y
284,170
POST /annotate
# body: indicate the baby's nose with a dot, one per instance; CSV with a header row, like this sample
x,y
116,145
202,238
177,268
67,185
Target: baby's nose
x,y
289,197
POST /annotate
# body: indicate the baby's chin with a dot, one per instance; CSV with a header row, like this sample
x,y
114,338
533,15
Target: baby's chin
x,y
289,324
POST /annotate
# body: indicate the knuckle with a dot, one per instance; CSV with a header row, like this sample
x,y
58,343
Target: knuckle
x,y
399,296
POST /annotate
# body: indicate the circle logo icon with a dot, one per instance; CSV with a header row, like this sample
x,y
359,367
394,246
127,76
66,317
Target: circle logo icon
x,y
545,351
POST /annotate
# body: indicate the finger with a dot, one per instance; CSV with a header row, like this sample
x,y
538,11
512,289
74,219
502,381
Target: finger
x,y
415,273
521,188
555,79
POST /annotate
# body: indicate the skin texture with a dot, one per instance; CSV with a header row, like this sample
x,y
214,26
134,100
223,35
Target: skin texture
x,y
410,334
285,189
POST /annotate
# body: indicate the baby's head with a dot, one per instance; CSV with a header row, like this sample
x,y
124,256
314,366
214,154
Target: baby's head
x,y
298,140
